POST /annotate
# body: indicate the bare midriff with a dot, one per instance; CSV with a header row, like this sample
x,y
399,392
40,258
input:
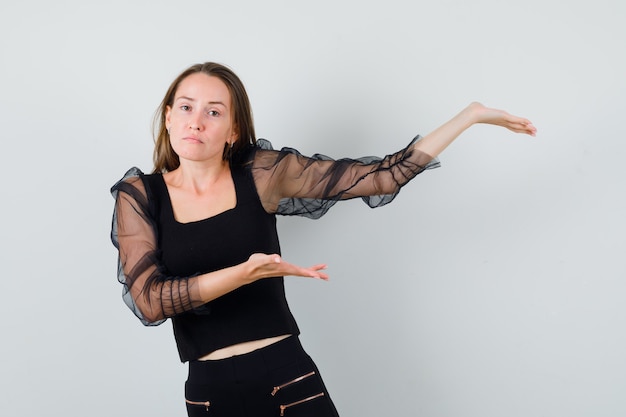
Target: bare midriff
x,y
242,348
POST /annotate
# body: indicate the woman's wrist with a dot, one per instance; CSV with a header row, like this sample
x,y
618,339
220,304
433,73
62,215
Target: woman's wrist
x,y
471,115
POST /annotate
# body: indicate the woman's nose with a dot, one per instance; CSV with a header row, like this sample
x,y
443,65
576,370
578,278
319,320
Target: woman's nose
x,y
195,123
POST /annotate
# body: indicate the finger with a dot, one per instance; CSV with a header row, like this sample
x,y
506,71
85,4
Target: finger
x,y
264,258
523,131
324,277
313,273
321,275
273,258
524,126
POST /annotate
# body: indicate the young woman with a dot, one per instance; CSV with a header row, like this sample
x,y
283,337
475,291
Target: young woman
x,y
198,244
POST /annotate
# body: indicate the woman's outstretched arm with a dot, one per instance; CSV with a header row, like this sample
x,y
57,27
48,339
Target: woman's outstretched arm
x,y
435,142
292,184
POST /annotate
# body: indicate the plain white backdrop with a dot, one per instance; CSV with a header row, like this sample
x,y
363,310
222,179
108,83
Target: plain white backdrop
x,y
493,286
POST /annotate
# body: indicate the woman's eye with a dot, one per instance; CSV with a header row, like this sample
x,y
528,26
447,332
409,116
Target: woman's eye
x,y
184,107
213,113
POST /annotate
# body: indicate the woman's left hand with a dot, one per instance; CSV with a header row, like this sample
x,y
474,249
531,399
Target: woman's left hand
x,y
486,115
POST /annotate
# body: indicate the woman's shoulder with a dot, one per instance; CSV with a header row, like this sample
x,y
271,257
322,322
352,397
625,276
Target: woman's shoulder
x,y
136,179
264,144
262,154
131,176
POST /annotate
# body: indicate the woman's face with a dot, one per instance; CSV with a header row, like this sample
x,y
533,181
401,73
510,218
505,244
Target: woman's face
x,y
200,119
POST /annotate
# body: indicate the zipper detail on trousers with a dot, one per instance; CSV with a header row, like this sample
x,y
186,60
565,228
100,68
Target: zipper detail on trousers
x,y
293,381
286,406
206,404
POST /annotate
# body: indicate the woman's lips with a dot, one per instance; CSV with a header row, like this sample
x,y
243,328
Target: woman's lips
x,y
192,139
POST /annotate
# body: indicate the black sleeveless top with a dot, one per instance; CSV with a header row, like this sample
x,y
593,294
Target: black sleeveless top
x,y
254,311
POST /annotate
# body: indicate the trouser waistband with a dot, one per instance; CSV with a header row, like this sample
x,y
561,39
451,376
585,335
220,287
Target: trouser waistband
x,y
252,365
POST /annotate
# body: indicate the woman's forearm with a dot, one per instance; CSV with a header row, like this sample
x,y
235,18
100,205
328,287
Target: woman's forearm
x,y
259,266
439,139
435,142
215,284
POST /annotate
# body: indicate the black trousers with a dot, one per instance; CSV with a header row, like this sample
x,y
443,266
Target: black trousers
x,y
278,380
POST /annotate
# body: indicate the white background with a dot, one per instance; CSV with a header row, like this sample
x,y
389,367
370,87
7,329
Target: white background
x,y
493,286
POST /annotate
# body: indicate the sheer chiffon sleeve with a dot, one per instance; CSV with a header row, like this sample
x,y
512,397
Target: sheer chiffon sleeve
x,y
149,292
289,183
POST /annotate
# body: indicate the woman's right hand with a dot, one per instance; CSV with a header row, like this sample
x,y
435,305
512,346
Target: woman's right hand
x,y
267,266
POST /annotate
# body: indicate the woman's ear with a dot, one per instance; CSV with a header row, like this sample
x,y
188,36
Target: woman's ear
x,y
234,136
168,113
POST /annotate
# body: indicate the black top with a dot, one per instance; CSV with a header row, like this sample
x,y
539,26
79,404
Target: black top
x,y
251,312
159,257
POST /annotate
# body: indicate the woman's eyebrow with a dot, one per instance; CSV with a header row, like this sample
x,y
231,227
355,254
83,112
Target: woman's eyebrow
x,y
191,99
